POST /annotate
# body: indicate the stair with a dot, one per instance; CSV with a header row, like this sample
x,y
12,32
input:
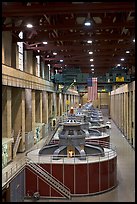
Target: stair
x,y
48,178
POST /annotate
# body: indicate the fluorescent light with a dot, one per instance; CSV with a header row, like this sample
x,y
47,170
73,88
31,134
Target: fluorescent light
x,y
122,59
61,60
92,65
92,69
45,43
118,65
29,25
90,53
133,40
88,23
54,53
91,60
89,41
127,51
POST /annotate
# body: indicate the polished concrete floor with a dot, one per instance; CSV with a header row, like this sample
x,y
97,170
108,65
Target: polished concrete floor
x,y
125,191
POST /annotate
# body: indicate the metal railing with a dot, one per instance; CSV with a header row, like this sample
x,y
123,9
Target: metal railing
x,y
8,174
52,181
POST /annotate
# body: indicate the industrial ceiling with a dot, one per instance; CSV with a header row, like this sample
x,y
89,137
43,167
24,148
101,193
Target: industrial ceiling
x,y
108,41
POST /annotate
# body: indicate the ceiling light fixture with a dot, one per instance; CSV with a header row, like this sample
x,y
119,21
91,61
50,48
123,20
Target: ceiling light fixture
x,y
87,23
118,65
61,60
90,53
92,65
91,60
133,40
89,41
127,51
29,25
122,59
54,53
45,43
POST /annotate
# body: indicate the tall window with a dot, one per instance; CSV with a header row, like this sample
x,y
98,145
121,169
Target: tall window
x,y
20,51
38,65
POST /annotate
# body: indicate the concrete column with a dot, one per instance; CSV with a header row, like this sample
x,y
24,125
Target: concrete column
x,y
50,103
69,103
4,111
6,47
55,103
133,119
22,142
33,112
37,106
65,103
28,110
16,110
34,66
9,130
108,103
73,100
61,103
13,57
47,72
44,108
47,107
40,107
70,100
42,70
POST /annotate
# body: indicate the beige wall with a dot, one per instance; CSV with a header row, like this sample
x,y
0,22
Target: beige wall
x,y
103,100
122,110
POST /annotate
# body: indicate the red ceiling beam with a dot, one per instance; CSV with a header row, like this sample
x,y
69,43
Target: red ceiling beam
x,y
76,27
77,37
81,48
66,8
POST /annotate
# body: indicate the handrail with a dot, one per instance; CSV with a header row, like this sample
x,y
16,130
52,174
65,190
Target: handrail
x,y
10,173
49,178
7,175
31,161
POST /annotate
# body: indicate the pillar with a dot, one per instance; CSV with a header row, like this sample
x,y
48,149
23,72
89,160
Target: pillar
x,y
40,120
8,121
28,110
22,142
55,103
65,103
33,112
